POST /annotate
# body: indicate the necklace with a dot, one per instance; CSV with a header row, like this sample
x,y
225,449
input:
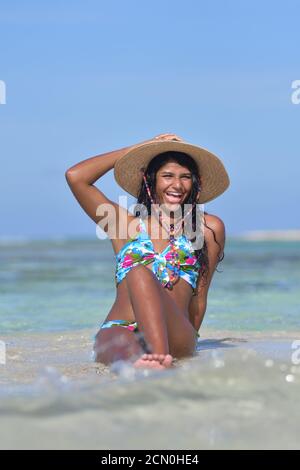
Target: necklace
x,y
175,261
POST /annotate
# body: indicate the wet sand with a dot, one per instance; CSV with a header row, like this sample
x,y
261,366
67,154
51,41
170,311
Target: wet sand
x,y
240,391
70,353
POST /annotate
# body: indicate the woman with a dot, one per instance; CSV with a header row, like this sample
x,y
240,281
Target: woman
x,y
162,282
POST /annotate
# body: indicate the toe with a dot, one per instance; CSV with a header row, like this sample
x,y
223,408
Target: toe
x,y
156,357
167,360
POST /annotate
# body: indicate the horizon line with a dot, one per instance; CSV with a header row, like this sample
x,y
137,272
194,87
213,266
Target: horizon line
x,y
249,235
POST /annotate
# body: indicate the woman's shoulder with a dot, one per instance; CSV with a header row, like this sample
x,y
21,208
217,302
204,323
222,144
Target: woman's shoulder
x,y
213,225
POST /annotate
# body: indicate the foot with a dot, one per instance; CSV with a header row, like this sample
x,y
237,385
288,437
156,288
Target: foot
x,y
154,361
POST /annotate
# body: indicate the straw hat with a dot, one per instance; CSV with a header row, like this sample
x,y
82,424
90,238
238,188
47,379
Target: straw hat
x,y
214,178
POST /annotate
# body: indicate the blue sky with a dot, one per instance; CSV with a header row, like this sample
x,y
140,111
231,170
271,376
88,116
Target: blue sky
x,y
86,77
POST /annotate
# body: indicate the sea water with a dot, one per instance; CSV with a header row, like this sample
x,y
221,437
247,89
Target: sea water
x,y
239,391
55,285
69,284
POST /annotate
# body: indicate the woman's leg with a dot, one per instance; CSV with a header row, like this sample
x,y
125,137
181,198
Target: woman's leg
x,y
165,329
115,344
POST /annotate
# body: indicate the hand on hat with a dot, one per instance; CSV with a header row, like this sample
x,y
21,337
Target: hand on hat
x,y
167,137
160,137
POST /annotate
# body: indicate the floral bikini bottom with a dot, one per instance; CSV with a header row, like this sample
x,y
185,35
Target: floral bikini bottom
x,y
129,325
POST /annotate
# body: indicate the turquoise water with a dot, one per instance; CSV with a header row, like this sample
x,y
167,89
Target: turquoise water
x,y
69,284
242,384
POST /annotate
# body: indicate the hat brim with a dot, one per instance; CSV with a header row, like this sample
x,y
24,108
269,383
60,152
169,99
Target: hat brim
x,y
214,177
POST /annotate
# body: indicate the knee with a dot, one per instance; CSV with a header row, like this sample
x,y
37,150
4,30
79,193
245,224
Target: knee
x,y
143,275
110,347
139,270
99,349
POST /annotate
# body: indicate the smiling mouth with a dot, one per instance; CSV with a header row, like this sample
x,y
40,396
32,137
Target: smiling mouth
x,y
173,197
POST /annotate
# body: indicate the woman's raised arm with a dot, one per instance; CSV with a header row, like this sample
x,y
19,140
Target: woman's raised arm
x,y
81,177
90,170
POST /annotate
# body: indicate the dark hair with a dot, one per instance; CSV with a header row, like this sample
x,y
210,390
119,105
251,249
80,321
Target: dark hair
x,y
143,198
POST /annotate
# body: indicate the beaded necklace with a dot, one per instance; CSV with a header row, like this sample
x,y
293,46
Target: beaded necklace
x,y
175,261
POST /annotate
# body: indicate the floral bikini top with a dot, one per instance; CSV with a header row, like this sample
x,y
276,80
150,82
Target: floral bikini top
x,y
140,250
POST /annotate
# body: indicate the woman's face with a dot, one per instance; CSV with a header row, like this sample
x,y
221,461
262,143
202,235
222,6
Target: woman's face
x,y
173,184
